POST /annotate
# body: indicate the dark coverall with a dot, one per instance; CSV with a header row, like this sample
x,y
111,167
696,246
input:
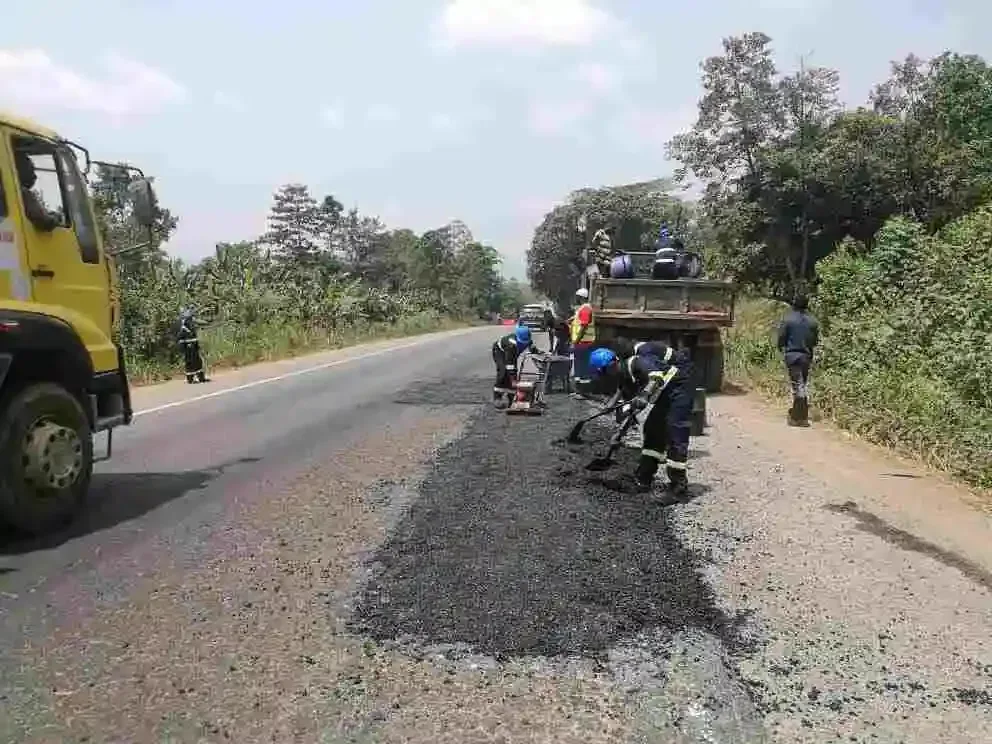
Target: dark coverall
x,y
668,260
664,381
190,345
561,335
506,352
549,326
798,335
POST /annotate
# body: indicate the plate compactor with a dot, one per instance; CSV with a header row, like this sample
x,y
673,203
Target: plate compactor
x,y
530,385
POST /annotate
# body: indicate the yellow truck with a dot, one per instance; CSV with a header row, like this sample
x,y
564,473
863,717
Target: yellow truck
x,y
62,375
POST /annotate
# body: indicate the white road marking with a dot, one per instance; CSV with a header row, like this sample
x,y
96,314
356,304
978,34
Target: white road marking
x,y
297,373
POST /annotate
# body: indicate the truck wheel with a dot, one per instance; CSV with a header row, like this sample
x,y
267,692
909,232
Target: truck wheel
x,y
46,458
709,370
713,373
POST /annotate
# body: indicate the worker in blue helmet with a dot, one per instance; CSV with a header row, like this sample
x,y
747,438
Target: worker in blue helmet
x,y
506,352
660,380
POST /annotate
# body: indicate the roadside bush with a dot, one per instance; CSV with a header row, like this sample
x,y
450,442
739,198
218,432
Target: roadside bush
x,y
906,355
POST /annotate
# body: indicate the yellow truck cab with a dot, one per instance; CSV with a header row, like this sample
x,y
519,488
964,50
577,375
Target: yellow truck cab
x,y
62,376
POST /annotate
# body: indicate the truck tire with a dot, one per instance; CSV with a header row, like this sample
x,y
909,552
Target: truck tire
x,y
711,369
46,458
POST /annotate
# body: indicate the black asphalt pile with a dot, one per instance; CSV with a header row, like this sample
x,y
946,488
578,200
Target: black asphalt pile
x,y
515,549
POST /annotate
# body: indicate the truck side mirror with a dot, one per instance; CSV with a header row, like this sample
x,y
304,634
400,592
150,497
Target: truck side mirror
x,y
143,201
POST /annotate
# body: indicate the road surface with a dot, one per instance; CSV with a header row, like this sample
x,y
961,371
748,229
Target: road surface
x,y
354,547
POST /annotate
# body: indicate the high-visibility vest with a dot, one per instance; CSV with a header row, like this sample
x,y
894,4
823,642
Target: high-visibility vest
x,y
590,334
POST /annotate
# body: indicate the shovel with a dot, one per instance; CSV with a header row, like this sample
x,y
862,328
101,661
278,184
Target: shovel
x,y
575,432
616,441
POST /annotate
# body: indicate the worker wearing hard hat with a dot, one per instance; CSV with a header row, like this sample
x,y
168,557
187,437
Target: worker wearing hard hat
x,y
657,376
506,353
582,336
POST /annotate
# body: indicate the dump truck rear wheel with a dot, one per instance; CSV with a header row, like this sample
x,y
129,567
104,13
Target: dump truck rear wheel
x,y
711,369
46,458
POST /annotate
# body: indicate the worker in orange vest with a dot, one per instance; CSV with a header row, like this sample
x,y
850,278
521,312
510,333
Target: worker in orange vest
x,y
582,336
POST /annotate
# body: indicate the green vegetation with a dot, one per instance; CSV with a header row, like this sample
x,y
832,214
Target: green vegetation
x,y
635,211
320,278
882,213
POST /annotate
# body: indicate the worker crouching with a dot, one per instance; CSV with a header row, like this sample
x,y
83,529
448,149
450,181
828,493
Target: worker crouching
x,y
657,377
506,353
189,344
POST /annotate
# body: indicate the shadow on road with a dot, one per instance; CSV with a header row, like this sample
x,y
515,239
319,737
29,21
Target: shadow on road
x,y
515,549
116,498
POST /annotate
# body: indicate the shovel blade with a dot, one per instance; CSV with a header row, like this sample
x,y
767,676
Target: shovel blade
x,y
600,464
575,433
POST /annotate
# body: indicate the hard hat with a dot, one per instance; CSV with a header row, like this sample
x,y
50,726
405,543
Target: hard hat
x,y
582,292
600,359
522,333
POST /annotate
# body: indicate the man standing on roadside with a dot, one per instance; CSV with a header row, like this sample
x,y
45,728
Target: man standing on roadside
x,y
798,335
582,337
189,344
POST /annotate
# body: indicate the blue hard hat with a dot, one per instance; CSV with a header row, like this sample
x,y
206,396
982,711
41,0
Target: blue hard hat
x,y
522,333
600,359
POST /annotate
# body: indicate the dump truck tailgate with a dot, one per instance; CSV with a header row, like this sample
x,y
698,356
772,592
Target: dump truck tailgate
x,y
684,303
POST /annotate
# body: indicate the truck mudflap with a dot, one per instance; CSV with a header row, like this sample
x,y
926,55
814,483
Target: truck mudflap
x,y
5,362
126,387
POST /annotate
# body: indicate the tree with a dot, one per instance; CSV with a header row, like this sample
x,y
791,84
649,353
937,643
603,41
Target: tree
x,y
740,113
555,261
294,226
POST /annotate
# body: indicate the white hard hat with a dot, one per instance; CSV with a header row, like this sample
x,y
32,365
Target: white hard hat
x,y
582,292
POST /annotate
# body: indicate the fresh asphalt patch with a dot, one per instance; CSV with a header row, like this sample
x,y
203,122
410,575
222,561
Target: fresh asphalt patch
x,y
513,548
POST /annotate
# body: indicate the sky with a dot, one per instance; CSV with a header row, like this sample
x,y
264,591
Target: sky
x,y
418,111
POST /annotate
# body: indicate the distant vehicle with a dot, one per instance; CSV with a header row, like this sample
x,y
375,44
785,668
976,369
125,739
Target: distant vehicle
x,y
532,316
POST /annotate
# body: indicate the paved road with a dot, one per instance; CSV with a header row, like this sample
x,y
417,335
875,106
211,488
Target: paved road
x,y
355,548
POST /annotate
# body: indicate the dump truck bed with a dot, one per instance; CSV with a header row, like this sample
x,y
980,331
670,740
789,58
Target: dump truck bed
x,y
683,304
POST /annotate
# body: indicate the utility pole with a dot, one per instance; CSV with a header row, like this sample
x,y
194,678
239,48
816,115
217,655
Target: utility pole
x,y
803,116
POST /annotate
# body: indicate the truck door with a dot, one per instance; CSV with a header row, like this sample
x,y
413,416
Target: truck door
x,y
63,250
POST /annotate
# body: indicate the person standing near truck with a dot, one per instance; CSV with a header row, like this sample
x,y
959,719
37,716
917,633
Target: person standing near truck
x,y
582,336
798,335
668,260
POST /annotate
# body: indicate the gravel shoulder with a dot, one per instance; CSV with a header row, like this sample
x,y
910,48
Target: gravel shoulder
x,y
867,580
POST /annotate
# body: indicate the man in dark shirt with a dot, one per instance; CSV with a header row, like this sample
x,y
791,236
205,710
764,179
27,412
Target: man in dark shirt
x,y
798,335
40,217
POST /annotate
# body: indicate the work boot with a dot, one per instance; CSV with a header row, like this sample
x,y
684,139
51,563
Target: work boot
x,y
642,485
189,379
678,483
201,376
799,413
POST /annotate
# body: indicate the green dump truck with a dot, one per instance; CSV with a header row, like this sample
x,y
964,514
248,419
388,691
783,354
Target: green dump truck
x,y
684,313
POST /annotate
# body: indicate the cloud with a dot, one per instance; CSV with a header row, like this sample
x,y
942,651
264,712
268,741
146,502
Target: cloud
x,y
444,123
332,117
31,80
557,117
382,113
520,23
228,101
634,128
598,78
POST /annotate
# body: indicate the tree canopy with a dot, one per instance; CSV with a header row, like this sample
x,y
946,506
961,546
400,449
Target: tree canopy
x,y
317,266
